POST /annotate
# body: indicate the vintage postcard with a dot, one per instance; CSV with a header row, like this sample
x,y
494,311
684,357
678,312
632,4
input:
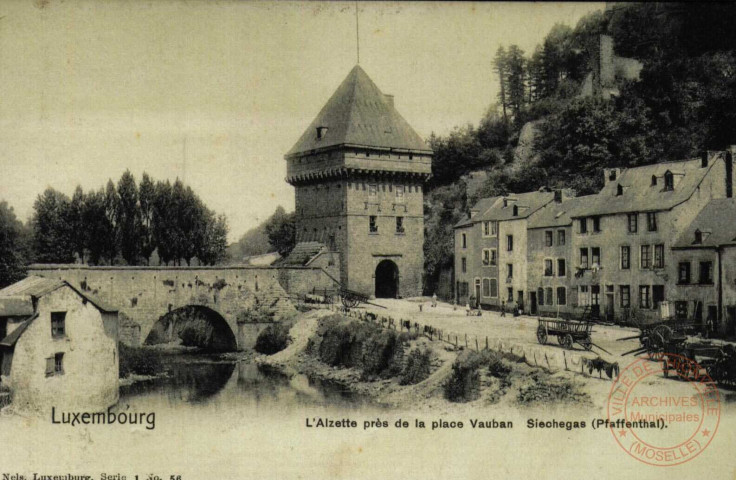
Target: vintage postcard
x,y
353,240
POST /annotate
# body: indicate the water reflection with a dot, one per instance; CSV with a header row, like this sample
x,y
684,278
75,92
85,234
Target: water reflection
x,y
205,379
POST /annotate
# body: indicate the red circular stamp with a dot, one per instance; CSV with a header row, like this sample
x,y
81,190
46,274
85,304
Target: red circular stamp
x,y
664,424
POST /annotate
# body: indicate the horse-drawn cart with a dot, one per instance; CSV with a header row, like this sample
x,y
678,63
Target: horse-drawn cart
x,y
348,298
567,332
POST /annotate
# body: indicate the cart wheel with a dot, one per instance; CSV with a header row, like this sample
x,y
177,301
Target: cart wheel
x,y
542,334
561,340
567,341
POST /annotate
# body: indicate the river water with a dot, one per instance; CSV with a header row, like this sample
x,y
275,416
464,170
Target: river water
x,y
194,381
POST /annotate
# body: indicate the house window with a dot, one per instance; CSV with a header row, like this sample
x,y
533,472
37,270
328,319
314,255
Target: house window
x,y
645,299
633,222
595,256
509,270
652,221
58,324
548,238
372,224
540,294
583,225
372,190
464,240
659,256
494,288
625,257
561,267
548,268
561,296
55,365
646,256
509,242
683,273
464,265
510,294
583,258
489,257
657,294
583,298
548,294
399,193
486,287
706,272
489,228
560,237
399,224
625,294
596,224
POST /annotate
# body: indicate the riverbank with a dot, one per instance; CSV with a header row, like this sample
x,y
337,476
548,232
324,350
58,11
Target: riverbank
x,y
482,379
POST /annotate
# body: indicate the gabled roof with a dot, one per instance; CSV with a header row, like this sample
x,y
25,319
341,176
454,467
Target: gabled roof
x,y
557,214
10,340
480,207
717,223
358,113
16,306
638,193
502,208
36,287
302,253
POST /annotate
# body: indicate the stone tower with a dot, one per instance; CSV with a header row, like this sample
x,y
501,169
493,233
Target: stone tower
x,y
359,171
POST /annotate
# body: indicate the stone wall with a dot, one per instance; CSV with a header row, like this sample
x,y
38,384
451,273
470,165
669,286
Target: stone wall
x,y
144,294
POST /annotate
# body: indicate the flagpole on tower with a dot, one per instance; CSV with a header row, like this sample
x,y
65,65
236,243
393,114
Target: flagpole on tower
x,y
357,31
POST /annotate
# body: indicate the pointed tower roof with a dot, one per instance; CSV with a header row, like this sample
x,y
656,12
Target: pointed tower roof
x,y
359,114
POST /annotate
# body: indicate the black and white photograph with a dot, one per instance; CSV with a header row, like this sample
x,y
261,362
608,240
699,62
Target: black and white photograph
x,y
362,239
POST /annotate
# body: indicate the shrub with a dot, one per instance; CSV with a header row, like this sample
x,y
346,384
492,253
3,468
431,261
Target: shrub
x,y
256,314
139,361
464,383
418,367
272,339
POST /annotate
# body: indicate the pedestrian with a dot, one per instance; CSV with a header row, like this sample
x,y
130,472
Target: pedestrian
x,y
503,308
467,309
421,305
434,299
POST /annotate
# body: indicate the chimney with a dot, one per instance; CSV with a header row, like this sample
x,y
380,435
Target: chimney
x,y
389,99
610,175
704,158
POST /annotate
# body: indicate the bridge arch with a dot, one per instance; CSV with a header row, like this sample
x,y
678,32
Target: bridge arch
x,y
194,326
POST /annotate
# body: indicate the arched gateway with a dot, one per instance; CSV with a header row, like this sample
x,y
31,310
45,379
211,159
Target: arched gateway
x,y
387,280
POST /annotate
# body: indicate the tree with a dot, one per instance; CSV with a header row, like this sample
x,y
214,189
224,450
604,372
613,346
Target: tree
x,y
76,223
146,199
163,229
110,236
52,235
96,226
281,231
14,251
213,249
499,65
129,219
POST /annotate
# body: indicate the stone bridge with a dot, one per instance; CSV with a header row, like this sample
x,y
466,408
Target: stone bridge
x,y
144,294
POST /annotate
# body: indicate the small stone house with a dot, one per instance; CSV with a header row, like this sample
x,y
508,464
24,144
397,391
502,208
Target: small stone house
x,y
59,347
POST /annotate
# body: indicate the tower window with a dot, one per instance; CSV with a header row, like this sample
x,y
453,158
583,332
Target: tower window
x,y
372,190
373,224
399,224
399,193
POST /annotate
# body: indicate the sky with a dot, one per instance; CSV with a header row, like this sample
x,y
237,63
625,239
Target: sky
x,y
215,93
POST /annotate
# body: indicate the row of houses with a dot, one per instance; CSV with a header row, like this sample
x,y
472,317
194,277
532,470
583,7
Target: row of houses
x,y
657,233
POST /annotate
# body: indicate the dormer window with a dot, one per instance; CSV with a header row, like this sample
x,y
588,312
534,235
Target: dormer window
x,y
619,190
612,175
669,181
516,211
321,132
698,237
654,180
